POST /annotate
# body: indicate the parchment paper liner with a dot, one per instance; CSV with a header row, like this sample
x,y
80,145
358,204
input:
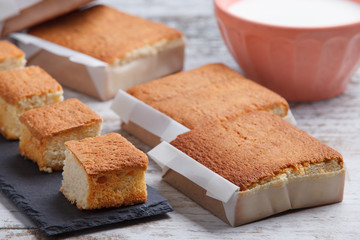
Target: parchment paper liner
x,y
235,207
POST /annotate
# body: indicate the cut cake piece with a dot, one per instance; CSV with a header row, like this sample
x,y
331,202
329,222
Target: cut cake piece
x,y
21,90
45,130
137,50
207,94
105,171
276,165
11,56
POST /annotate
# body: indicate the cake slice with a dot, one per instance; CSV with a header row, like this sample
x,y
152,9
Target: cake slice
x,y
210,93
21,90
204,95
105,171
45,130
276,165
11,56
137,50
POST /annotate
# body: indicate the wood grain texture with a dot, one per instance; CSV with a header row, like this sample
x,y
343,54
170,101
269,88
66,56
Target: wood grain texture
x,y
335,122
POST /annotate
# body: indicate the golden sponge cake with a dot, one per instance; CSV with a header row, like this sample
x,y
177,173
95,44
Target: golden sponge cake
x,y
256,148
21,90
133,50
105,33
11,56
45,130
207,94
105,171
274,165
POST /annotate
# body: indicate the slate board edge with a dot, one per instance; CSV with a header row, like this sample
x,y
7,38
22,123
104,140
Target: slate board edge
x,y
10,192
51,231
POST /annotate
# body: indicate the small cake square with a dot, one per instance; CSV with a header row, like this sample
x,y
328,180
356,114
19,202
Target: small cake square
x,y
45,130
11,56
276,166
21,90
136,50
105,171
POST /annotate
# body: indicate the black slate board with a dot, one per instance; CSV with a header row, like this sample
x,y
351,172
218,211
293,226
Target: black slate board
x,y
37,195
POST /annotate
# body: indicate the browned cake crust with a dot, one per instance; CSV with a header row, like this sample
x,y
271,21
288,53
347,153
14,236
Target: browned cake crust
x,y
9,50
103,32
16,84
206,94
253,147
110,152
58,118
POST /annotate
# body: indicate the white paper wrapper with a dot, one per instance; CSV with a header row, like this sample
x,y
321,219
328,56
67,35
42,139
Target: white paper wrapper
x,y
92,76
131,109
216,186
235,207
97,69
290,118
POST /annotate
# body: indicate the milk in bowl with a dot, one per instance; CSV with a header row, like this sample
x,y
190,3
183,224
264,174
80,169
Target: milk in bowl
x,y
298,13
305,50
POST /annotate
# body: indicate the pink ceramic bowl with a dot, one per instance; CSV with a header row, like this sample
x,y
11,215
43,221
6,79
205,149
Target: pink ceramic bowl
x,y
301,64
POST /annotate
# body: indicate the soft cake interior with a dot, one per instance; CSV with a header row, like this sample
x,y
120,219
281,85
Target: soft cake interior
x,y
12,63
149,49
280,110
146,63
50,152
9,115
116,188
288,174
75,184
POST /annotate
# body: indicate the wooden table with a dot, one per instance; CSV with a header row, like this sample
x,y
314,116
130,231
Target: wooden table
x,y
335,122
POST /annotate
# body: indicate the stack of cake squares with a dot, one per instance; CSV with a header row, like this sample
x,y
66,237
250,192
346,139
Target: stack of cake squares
x,y
22,88
100,171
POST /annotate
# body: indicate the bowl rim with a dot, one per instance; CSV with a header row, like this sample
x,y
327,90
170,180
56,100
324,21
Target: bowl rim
x,y
218,5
